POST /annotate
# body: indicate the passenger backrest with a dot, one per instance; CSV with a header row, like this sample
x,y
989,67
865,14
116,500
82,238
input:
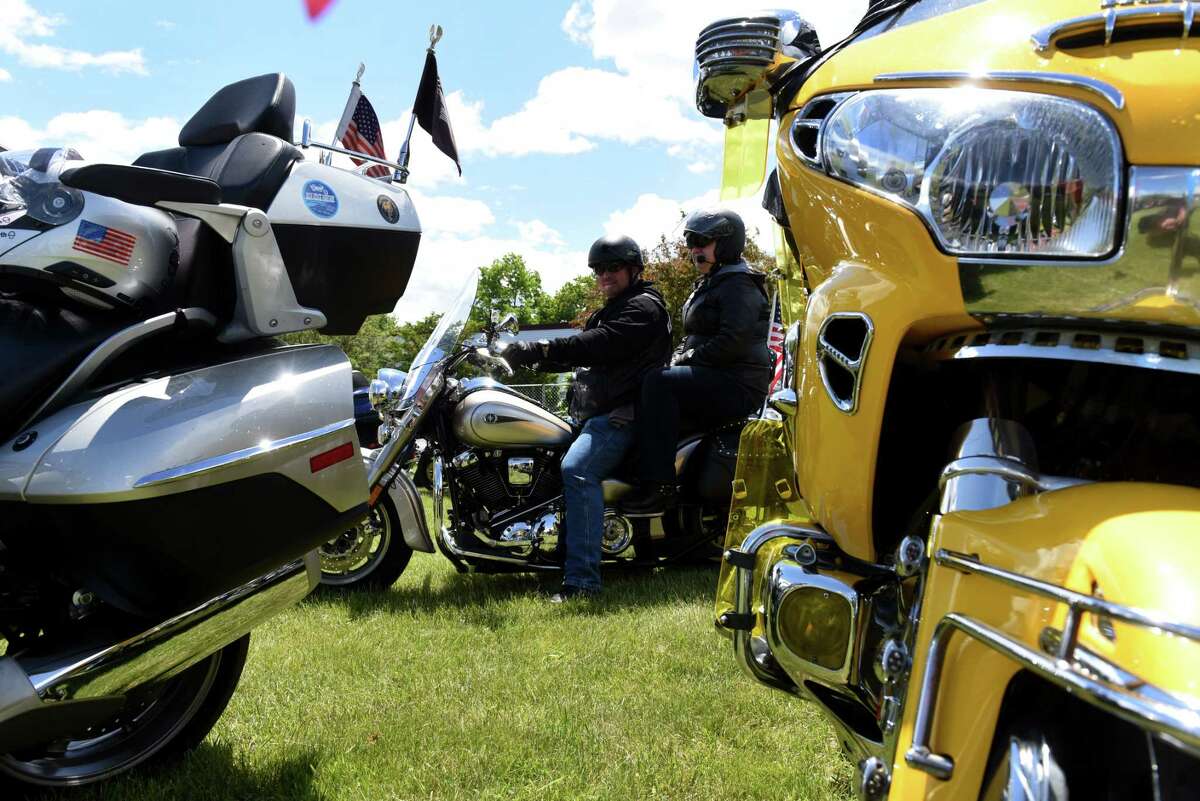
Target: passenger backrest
x,y
266,104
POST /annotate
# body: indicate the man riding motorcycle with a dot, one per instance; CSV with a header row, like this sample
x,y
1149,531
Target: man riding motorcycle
x,y
621,342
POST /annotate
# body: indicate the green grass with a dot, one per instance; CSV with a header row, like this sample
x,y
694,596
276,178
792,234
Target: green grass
x,y
475,687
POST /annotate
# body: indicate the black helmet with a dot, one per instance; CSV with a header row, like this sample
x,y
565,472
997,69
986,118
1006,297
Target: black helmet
x,y
616,250
722,225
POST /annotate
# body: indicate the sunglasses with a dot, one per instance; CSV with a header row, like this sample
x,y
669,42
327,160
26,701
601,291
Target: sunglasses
x,y
600,269
696,240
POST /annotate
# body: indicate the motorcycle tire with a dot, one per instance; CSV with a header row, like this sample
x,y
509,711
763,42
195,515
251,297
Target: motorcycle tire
x,y
155,726
370,556
1028,769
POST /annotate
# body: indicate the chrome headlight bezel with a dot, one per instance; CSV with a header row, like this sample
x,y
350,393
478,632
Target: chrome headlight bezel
x,y
979,108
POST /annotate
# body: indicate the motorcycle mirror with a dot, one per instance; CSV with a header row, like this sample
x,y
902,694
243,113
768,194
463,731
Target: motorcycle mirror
x,y
508,324
784,402
495,316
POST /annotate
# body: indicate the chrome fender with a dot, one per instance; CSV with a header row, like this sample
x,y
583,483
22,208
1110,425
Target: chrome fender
x,y
413,525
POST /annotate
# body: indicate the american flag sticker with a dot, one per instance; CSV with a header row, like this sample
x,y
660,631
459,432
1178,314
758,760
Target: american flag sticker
x,y
107,243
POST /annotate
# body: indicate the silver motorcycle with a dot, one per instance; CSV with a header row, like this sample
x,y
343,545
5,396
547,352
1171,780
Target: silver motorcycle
x,y
489,457
167,469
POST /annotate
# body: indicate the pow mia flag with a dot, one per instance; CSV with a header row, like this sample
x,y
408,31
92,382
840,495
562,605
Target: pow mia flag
x,y
430,110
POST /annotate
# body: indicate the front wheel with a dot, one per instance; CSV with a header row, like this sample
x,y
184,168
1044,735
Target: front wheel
x,y
157,723
370,555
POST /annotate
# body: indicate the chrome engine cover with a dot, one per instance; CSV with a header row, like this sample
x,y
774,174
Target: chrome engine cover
x,y
491,418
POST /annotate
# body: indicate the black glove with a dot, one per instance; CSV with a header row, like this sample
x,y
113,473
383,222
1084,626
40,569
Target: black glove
x,y
522,354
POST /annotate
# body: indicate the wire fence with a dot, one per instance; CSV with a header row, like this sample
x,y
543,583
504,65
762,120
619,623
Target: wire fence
x,y
552,396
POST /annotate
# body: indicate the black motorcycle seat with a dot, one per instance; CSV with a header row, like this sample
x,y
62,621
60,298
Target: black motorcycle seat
x,y
249,170
40,344
241,139
143,186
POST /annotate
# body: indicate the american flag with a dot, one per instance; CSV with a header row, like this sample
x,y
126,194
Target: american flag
x,y
364,135
775,343
107,243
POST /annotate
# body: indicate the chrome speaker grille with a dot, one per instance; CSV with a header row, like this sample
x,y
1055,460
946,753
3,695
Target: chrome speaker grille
x,y
1108,347
732,55
842,346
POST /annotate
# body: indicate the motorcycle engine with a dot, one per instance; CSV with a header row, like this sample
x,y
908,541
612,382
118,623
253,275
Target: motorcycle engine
x,y
502,482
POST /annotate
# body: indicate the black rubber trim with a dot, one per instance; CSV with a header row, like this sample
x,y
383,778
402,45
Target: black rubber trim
x,y
740,559
736,622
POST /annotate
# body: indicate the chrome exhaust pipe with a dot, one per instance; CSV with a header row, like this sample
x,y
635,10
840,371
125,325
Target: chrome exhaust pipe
x,y
33,682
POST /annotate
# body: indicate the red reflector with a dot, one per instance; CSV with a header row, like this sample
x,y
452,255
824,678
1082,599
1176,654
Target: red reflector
x,y
339,454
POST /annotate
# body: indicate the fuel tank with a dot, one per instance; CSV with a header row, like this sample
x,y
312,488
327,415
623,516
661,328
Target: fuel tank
x,y
495,418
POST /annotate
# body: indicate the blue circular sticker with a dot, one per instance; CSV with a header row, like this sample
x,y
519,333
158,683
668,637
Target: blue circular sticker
x,y
320,199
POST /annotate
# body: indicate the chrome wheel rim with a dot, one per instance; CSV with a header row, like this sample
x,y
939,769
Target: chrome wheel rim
x,y
138,732
1029,772
356,552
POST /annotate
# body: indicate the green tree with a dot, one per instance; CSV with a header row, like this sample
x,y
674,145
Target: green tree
x,y
380,342
573,301
508,285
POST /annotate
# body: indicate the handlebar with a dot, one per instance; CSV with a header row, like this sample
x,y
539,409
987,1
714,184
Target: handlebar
x,y
485,359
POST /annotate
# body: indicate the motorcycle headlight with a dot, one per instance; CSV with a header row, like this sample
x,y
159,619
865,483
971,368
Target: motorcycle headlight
x,y
990,171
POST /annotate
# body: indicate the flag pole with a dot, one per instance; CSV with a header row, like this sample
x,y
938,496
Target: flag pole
x,y
351,104
401,176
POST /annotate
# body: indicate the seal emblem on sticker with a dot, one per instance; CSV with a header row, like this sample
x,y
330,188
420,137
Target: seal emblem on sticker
x,y
388,209
320,199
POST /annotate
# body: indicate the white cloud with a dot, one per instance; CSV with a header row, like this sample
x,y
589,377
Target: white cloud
x,y
536,232
5,75
22,23
98,135
165,24
653,216
700,167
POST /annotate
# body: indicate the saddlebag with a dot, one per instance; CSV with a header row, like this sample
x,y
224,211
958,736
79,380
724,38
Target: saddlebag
x,y
164,493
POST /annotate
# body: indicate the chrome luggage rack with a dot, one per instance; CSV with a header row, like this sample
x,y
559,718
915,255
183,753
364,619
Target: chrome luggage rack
x,y
400,172
1060,660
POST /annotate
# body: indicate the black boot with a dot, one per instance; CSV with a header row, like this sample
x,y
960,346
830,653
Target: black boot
x,y
649,500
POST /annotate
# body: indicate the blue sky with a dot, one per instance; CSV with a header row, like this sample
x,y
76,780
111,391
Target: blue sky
x,y
574,118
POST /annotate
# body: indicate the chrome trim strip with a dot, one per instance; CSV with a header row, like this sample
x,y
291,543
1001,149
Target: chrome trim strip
x,y
240,457
1180,722
1157,352
111,348
1006,469
175,644
1109,93
1161,713
1110,18
1077,601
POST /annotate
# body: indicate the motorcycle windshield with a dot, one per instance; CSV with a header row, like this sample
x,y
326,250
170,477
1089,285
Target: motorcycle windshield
x,y
442,342
29,185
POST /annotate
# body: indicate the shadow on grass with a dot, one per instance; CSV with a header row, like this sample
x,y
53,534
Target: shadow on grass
x,y
211,771
474,596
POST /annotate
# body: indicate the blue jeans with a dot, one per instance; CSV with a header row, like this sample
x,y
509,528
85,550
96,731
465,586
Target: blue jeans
x,y
592,457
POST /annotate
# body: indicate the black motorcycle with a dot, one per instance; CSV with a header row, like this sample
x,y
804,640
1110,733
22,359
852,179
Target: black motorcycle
x,y
494,455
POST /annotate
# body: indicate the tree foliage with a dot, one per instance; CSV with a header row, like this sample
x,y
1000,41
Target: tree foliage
x,y
381,342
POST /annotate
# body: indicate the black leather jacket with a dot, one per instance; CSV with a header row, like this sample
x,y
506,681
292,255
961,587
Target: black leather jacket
x,y
725,325
623,340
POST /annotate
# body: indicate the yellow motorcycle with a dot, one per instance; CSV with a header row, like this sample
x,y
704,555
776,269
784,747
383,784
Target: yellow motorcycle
x,y
972,536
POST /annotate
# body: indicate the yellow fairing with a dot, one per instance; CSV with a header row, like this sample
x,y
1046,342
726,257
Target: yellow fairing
x,y
1136,541
1160,121
874,258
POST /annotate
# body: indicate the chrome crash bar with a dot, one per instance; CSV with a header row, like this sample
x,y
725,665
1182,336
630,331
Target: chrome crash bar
x,y
1129,699
753,654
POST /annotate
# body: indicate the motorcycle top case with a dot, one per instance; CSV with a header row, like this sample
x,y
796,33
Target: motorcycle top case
x,y
164,493
349,242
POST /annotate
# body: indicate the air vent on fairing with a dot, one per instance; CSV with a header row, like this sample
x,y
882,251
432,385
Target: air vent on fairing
x,y
842,346
806,128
